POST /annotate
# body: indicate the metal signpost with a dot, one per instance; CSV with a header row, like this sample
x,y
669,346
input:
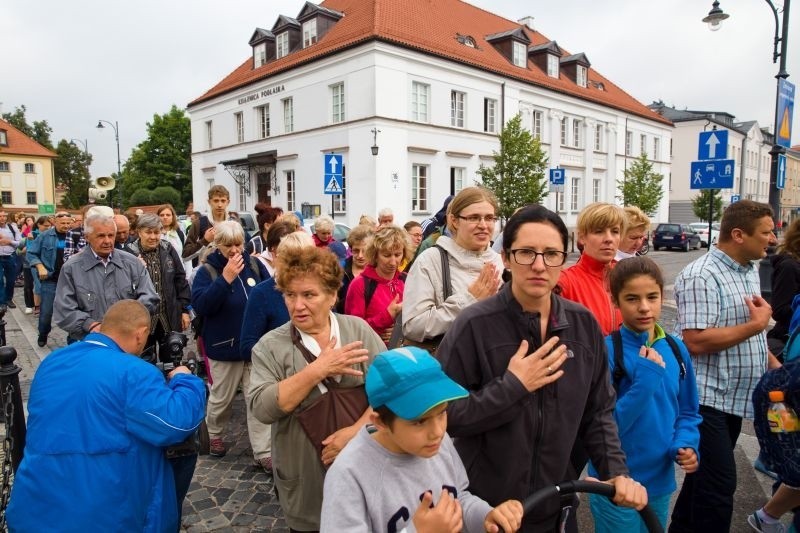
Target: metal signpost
x,y
557,183
332,172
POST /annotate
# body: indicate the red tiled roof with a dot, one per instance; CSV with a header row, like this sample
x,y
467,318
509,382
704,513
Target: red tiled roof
x,y
430,26
21,144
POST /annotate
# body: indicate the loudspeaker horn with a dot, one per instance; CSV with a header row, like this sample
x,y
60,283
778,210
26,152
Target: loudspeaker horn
x,y
105,183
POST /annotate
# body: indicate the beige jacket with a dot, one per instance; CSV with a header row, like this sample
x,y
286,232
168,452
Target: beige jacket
x,y
297,469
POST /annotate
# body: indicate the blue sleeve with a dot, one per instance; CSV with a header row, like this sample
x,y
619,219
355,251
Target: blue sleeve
x,y
163,413
34,251
635,389
254,322
208,296
687,425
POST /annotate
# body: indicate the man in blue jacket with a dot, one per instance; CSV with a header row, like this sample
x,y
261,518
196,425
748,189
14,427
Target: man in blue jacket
x,y
99,419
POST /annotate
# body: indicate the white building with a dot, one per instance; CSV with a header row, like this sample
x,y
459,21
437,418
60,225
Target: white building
x,y
748,146
430,85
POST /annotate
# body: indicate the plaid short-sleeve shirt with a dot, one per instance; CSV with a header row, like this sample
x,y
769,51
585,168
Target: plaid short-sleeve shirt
x,y
710,293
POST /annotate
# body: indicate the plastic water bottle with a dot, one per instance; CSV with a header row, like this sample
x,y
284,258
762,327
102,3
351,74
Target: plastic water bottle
x,y
781,418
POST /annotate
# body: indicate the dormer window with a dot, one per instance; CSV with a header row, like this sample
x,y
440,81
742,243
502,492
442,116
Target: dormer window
x,y
519,54
3,138
552,65
581,76
282,45
259,55
309,32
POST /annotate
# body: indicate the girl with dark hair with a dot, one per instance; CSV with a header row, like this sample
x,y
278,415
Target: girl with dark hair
x,y
265,218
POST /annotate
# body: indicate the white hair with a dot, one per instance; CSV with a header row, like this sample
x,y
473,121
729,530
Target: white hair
x,y
323,223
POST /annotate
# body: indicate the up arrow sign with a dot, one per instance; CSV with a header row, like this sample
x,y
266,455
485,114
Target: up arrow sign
x,y
333,163
713,145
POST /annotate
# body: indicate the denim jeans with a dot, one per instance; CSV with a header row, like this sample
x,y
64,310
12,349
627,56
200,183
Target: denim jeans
x,y
48,295
9,266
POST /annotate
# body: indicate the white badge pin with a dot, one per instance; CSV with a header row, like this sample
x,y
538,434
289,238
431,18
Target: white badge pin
x,y
251,282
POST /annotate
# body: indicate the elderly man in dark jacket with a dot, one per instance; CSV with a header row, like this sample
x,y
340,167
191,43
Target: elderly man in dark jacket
x,y
166,272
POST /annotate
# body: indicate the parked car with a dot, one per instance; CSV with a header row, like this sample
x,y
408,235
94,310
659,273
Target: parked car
x,y
248,221
673,235
701,228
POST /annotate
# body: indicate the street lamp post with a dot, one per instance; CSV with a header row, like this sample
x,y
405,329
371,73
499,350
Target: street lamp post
x,y
714,19
84,144
115,125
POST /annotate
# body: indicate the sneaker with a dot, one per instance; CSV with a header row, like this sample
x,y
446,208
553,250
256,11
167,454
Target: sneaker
x,y
28,310
42,341
265,463
11,304
216,447
757,525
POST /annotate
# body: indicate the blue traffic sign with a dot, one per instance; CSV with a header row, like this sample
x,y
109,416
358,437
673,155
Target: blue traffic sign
x,y
713,145
785,109
712,174
332,172
735,198
781,181
557,176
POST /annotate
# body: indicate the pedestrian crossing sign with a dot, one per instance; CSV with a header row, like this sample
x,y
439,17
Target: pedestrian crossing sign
x,y
333,186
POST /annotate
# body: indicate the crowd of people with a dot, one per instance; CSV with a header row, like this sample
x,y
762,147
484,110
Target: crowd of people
x,y
428,376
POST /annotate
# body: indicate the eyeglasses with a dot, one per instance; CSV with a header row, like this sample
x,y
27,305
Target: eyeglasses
x,y
475,219
551,258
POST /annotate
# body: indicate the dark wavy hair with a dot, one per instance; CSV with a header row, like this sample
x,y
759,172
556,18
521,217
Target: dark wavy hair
x,y
791,240
532,213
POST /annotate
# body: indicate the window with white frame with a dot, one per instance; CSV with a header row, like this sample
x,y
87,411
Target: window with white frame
x,y
560,203
596,184
309,32
282,44
519,54
340,200
457,108
564,122
457,177
5,197
262,119
643,143
242,196
4,166
628,142
209,134
290,201
239,127
538,118
419,188
29,168
581,77
574,194
598,137
3,138
31,197
489,115
552,65
259,55
337,102
419,101
656,148
288,115
576,133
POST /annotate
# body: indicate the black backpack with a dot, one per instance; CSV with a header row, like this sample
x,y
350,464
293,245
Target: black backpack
x,y
370,285
619,360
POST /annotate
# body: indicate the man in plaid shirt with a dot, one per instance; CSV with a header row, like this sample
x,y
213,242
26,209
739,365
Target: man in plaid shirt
x,y
722,319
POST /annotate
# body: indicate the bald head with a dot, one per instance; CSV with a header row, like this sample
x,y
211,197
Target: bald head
x,y
123,228
127,322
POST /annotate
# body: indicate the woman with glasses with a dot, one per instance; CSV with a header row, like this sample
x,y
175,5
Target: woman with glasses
x,y
433,298
535,366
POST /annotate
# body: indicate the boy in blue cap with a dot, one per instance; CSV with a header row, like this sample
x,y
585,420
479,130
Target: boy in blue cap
x,y
403,473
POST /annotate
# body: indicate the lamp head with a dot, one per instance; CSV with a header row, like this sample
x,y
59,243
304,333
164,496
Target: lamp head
x,y
100,124
715,17
374,149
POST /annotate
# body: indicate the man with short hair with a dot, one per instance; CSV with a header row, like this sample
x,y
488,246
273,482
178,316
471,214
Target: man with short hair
x,y
96,278
46,255
9,240
722,319
123,232
201,233
75,240
94,457
385,217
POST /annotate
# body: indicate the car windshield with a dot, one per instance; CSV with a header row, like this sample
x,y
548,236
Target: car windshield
x,y
669,227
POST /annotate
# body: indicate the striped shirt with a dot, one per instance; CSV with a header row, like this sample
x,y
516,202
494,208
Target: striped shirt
x,y
710,293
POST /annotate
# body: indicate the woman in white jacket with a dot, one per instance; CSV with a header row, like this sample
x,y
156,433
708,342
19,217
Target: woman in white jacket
x,y
474,268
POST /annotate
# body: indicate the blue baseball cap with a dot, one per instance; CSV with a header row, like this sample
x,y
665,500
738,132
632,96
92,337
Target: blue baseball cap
x,y
410,382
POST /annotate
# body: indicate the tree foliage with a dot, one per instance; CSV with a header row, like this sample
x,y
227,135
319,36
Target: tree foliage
x,y
642,187
166,195
39,131
162,159
518,175
72,173
141,197
700,204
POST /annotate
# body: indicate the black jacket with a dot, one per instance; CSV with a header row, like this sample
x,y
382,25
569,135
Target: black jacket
x,y
785,285
513,442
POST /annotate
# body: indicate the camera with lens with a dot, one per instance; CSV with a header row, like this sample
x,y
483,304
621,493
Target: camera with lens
x,y
171,354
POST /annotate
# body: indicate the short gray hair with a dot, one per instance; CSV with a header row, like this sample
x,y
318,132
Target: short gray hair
x,y
148,221
97,220
228,232
323,223
385,212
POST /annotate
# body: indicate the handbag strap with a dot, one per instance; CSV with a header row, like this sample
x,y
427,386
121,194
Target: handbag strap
x,y
445,258
298,342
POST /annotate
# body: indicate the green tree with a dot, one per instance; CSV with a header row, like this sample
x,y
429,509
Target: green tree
x,y
39,131
701,202
162,159
72,173
141,197
641,187
518,175
166,195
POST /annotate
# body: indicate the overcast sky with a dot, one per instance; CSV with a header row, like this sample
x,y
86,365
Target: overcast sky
x,y
72,63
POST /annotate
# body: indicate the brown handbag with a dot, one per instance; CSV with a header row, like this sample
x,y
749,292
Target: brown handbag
x,y
338,408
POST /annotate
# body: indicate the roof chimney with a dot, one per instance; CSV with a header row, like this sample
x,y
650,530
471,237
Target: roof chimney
x,y
527,21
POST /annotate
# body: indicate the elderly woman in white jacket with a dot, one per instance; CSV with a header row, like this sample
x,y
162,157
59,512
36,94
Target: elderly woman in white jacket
x,y
475,269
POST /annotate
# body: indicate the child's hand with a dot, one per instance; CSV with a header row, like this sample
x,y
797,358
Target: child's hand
x,y
687,460
444,517
652,355
507,515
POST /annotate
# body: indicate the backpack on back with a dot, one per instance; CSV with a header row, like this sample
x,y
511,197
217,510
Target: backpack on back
x,y
619,359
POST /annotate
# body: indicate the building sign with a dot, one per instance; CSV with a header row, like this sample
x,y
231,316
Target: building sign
x,y
261,94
